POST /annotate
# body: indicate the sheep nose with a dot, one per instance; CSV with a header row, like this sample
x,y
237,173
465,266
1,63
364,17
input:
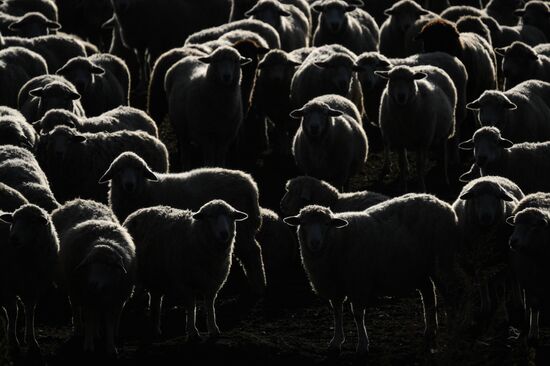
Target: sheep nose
x,y
334,27
129,187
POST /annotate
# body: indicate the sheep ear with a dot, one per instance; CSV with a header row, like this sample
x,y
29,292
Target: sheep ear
x,y
466,145
284,13
350,8
53,25
107,176
245,60
533,56
250,12
505,143
110,24
468,195
96,70
501,51
338,223
78,138
389,12
334,113
383,74
293,220
262,50
510,106
519,12
205,59
322,64
150,175
239,216
294,62
505,195
7,218
469,175
510,220
14,26
473,106
423,12
384,63
317,6
297,113
38,92
420,75
199,215
74,96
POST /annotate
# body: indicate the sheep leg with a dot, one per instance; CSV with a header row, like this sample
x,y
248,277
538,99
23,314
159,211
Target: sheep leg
x,y
11,308
190,318
403,169
446,162
89,329
335,345
386,163
485,298
533,337
362,337
213,330
249,253
111,328
421,169
77,320
30,336
156,306
429,302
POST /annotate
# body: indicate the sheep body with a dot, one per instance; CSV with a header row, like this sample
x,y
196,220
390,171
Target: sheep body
x,y
48,8
17,131
521,62
10,198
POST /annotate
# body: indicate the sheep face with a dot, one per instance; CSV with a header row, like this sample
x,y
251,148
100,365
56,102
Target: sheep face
x,y
488,146
12,134
492,108
519,61
224,66
276,67
61,140
129,173
28,226
269,12
220,218
535,13
54,118
316,119
314,225
340,68
81,72
531,235
405,13
402,88
366,67
333,14
34,25
485,203
300,192
55,96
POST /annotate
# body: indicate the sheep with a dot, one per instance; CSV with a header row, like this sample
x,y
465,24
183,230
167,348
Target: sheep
x,y
28,260
17,66
345,24
482,208
303,191
10,198
417,112
503,11
46,92
20,170
528,256
118,119
535,13
134,185
55,49
85,18
48,8
523,163
373,86
454,13
103,81
88,155
474,52
521,62
193,86
18,132
401,17
339,249
265,30
471,24
185,254
330,143
30,25
97,261
503,35
327,70
521,113
288,20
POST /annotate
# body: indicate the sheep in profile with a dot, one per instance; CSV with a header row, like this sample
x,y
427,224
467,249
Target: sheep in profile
x,y
523,163
504,11
118,119
521,62
97,266
402,17
103,81
345,24
48,8
503,35
417,112
289,21
47,92
134,185
10,198
193,86
330,143
16,131
304,191
535,13
29,260
363,255
327,70
88,155
185,254
521,113
30,25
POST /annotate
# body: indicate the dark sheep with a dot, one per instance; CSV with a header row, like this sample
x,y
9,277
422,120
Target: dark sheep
x,y
535,13
102,80
48,8
17,131
134,185
454,13
521,62
503,35
88,155
10,199
504,11
471,24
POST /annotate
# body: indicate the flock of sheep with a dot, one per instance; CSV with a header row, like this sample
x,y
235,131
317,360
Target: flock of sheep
x,y
91,199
